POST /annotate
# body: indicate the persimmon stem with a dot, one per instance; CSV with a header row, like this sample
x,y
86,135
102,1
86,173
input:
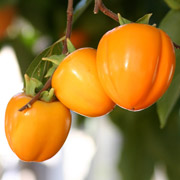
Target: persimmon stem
x,y
36,97
65,50
69,25
100,6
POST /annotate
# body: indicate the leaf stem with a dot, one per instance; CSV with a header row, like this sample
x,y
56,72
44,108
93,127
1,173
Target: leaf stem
x,y
65,50
69,25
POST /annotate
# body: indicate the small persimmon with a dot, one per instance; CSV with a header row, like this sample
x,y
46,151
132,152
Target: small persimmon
x,y
135,64
77,86
36,133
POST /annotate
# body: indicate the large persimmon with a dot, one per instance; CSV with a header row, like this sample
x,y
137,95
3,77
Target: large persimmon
x,y
135,64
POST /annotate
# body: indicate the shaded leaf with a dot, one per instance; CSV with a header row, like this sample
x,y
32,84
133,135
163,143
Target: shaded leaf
x,y
174,4
80,8
55,59
51,70
166,104
70,46
171,25
38,68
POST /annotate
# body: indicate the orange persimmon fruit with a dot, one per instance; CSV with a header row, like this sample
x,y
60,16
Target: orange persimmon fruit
x,y
77,86
135,64
36,133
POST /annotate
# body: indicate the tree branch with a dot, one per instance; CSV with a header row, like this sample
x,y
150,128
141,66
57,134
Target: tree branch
x,y
100,6
35,98
176,45
65,50
69,24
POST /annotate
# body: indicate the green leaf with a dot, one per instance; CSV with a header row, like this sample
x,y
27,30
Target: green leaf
x,y
51,70
70,46
38,68
145,19
80,8
55,59
171,25
166,104
174,4
122,20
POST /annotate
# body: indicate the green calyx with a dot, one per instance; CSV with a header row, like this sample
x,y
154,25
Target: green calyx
x,y
43,67
48,96
143,20
33,86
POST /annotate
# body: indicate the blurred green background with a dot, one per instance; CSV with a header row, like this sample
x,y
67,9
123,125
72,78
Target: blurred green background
x,y
145,145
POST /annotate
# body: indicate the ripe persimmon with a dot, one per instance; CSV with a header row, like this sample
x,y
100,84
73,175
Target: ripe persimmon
x,y
77,86
135,64
36,133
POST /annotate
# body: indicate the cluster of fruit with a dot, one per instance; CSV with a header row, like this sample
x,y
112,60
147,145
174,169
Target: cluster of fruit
x,y
132,67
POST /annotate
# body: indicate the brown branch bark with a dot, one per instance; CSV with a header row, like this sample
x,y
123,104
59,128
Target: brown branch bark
x,y
100,6
176,45
69,24
35,98
65,50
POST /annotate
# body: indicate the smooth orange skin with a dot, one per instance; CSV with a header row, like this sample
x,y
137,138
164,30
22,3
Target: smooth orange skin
x,y
6,17
135,64
77,85
37,133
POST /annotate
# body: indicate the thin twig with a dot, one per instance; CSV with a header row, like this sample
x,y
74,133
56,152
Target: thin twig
x,y
35,98
69,24
100,6
68,34
176,45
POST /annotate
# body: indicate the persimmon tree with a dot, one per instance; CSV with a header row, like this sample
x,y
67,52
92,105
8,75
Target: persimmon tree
x,y
150,136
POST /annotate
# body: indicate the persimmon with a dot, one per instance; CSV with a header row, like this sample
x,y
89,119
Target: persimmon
x,y
7,13
135,64
77,86
36,133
